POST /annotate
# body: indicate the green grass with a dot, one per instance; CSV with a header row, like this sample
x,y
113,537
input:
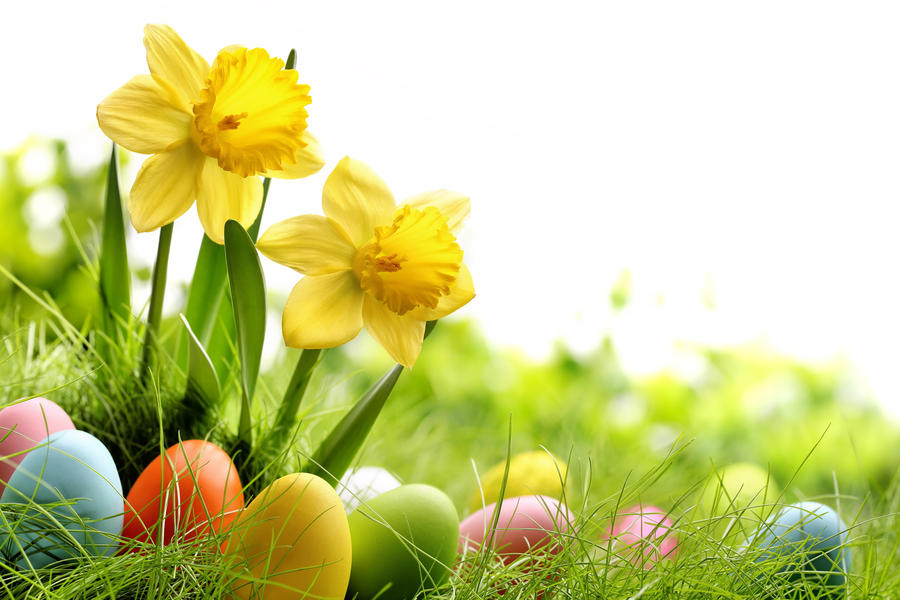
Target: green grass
x,y
464,406
654,439
447,437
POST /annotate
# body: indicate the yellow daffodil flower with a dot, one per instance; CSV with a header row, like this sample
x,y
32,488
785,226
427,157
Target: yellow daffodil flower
x,y
369,262
211,131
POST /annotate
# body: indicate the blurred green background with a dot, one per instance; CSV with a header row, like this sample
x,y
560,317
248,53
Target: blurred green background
x,y
452,413
50,214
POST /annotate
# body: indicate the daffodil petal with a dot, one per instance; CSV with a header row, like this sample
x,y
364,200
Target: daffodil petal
x,y
453,205
165,187
461,292
310,244
323,311
173,60
222,196
309,160
357,199
401,335
232,48
141,117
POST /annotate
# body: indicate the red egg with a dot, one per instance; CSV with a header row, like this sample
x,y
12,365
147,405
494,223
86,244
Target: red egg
x,y
643,534
526,523
190,492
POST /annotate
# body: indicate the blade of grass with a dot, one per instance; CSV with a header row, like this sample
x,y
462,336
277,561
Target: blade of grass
x,y
115,279
248,296
488,548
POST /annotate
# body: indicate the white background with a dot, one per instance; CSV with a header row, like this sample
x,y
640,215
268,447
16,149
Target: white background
x,y
739,155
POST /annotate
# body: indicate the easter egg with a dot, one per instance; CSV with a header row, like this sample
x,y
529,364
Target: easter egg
x,y
191,491
404,541
23,426
737,488
292,541
643,535
364,483
525,524
530,473
69,480
807,541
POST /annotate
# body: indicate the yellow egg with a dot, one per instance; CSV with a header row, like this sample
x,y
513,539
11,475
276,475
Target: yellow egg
x,y
292,542
536,473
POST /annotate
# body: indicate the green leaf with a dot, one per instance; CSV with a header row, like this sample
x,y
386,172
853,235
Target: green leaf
x,y
222,347
336,453
207,289
293,395
248,296
202,383
115,279
205,305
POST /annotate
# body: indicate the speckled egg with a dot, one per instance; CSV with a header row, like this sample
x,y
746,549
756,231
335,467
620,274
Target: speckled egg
x,y
294,536
643,535
807,541
22,426
364,483
73,480
192,491
530,473
404,541
525,524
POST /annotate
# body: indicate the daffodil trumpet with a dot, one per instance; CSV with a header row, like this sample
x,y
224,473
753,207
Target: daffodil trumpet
x,y
212,131
207,289
369,262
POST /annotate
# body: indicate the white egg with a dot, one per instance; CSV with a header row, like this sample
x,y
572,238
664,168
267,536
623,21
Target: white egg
x,y
364,483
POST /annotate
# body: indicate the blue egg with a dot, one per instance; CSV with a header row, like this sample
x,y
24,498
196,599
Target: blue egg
x,y
71,502
807,541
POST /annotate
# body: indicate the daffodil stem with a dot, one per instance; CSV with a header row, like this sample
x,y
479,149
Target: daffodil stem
x,y
157,294
253,230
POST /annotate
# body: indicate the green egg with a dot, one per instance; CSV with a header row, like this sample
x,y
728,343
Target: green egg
x,y
404,541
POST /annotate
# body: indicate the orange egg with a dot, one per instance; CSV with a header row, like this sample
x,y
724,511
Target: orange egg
x,y
191,491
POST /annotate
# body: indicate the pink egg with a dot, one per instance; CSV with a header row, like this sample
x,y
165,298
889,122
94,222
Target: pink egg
x,y
643,534
23,426
525,523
